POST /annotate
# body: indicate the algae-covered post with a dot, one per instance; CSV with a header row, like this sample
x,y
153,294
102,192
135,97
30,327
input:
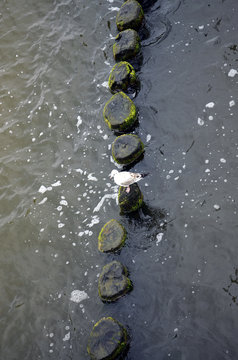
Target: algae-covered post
x,y
108,340
132,201
127,148
122,77
120,112
130,15
111,237
113,282
127,45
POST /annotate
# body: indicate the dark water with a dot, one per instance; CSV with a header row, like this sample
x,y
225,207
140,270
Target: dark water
x,y
55,192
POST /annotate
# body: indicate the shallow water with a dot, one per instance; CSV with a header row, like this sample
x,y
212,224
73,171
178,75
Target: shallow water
x,y
56,195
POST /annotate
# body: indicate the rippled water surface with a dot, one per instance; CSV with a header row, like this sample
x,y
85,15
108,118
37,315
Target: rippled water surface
x,y
55,192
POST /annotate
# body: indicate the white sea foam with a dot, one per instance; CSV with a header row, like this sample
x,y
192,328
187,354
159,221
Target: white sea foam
x,y
148,138
200,122
100,204
43,189
159,238
77,296
232,73
95,220
57,183
210,105
66,337
92,178
114,8
43,201
79,122
105,84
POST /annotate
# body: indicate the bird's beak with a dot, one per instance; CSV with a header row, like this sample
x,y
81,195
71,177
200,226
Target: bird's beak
x,y
110,176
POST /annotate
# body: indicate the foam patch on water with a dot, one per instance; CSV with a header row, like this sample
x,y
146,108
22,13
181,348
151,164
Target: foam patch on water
x,y
105,84
114,8
94,221
232,73
100,204
66,337
79,122
200,122
57,183
43,201
210,105
43,189
159,238
78,295
148,137
92,178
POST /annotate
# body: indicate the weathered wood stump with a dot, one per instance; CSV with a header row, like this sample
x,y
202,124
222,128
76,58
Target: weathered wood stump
x,y
108,340
127,45
113,282
130,16
111,237
120,112
122,77
132,201
127,148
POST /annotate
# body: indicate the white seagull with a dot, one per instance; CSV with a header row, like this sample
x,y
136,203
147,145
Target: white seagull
x,y
126,178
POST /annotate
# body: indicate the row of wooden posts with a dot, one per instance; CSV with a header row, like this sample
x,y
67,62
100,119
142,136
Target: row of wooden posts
x,y
109,339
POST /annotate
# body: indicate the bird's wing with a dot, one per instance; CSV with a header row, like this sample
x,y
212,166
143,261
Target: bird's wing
x,y
126,178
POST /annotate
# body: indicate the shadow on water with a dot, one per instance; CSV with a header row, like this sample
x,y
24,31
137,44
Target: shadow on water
x,y
158,26
147,226
232,287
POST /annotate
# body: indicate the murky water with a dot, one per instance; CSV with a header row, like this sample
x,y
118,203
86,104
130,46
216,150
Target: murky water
x,y
56,195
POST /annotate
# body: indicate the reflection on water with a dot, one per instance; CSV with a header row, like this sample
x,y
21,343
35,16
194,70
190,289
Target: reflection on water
x,y
56,194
